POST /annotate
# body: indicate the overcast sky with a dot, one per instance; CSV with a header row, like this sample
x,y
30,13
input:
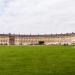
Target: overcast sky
x,y
37,16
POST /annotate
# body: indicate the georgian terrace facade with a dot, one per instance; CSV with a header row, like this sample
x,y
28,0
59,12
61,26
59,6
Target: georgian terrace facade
x,y
14,39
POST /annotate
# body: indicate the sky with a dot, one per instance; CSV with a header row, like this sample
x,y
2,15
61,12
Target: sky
x,y
37,16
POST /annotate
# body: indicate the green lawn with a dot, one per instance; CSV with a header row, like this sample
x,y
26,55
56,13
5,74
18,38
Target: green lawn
x,y
37,60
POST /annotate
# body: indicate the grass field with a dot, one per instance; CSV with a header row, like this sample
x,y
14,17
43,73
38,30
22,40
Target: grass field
x,y
37,60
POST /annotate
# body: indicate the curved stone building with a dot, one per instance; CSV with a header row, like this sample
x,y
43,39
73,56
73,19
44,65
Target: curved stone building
x,y
14,39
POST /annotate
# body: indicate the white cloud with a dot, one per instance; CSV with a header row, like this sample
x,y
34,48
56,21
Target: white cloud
x,y
37,16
